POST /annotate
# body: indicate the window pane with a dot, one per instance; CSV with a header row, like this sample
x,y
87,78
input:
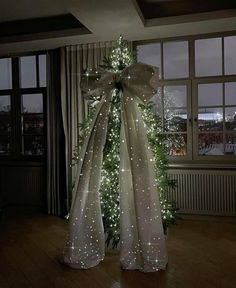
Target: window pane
x,y
230,56
208,57
4,145
176,144
210,119
210,94
230,147
33,124
157,100
175,120
230,118
33,145
32,103
5,106
211,144
28,72
42,71
150,54
175,56
230,93
5,73
5,124
175,96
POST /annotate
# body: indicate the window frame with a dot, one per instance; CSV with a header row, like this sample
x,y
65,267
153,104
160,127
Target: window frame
x,y
206,80
186,83
16,133
193,79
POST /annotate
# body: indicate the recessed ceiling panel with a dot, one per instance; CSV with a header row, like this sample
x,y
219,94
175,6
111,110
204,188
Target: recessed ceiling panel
x,y
39,25
167,8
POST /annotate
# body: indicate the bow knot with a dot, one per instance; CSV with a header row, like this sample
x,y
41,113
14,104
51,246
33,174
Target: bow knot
x,y
139,79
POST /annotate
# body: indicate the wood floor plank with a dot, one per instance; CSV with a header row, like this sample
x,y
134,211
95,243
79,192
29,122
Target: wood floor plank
x,y
202,254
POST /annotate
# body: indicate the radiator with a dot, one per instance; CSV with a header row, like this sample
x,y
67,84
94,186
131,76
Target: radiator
x,y
206,192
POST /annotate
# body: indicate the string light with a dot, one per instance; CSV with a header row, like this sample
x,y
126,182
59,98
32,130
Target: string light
x,y
120,58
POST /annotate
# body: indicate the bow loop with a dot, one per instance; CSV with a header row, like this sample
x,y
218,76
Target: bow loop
x,y
139,79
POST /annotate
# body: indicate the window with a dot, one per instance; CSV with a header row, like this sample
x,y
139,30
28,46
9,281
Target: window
x,y
216,120
196,99
229,55
22,107
208,57
175,58
5,124
5,74
151,54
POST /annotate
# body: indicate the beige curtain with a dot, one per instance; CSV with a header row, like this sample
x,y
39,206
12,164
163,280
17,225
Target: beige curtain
x,y
56,187
74,61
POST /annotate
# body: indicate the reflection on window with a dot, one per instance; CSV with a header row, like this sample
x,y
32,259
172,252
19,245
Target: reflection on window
x,y
230,118
150,54
210,94
175,108
230,56
213,124
230,147
5,106
5,124
175,56
28,72
230,93
171,106
175,96
5,73
33,124
175,120
208,57
32,103
22,118
176,144
4,145
33,145
210,119
210,144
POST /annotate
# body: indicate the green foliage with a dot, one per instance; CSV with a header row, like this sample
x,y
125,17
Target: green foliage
x,y
84,130
157,141
119,58
109,190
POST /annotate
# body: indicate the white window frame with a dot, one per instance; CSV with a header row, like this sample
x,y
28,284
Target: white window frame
x,y
192,81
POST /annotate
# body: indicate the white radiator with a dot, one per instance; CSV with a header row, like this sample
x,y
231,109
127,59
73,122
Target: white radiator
x,y
204,191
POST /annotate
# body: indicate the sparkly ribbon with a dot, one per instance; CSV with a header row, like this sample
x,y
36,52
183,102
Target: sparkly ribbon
x,y
142,238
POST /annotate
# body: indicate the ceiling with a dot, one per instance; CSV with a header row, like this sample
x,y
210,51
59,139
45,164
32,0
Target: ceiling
x,y
12,10
168,8
29,25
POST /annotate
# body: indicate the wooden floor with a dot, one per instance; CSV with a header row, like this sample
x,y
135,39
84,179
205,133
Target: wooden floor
x,y
202,253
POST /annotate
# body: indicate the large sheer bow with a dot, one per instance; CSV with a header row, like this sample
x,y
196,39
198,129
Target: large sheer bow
x,y
142,238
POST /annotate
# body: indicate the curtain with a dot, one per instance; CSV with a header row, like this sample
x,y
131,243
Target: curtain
x,y
75,60
56,188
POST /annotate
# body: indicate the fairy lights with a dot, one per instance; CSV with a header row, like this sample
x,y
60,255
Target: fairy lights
x,y
119,59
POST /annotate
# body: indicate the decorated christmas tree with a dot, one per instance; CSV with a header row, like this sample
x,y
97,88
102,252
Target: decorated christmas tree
x,y
120,58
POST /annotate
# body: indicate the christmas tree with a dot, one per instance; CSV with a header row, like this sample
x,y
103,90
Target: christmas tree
x,y
120,58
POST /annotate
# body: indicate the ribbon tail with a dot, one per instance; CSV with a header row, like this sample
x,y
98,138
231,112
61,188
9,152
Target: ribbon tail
x,y
142,236
85,247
